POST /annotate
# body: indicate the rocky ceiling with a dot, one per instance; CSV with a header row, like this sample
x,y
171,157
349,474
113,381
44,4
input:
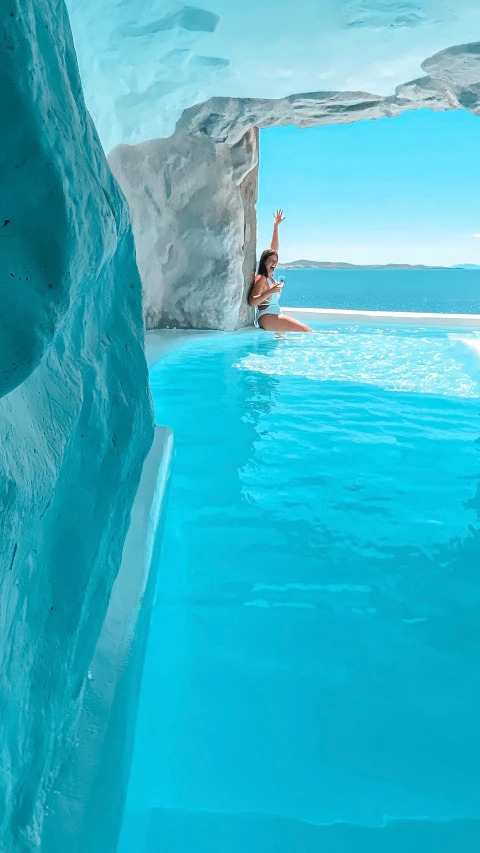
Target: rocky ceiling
x,y
143,62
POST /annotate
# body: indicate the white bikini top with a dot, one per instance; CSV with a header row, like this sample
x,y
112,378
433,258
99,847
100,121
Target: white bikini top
x,y
274,298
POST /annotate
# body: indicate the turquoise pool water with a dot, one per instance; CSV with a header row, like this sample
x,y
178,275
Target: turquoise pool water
x,y
313,674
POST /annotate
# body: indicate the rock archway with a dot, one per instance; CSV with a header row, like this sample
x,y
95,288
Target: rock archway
x,y
192,196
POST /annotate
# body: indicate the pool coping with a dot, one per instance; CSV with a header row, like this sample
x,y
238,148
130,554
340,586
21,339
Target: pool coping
x,y
159,342
410,318
85,810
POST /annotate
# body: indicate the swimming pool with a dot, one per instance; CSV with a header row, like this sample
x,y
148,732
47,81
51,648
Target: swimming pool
x,y
312,679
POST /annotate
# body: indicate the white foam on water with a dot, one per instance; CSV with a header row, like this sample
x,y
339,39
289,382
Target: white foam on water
x,y
392,360
472,343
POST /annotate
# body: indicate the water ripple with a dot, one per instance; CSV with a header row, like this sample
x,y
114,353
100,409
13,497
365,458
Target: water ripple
x,y
390,359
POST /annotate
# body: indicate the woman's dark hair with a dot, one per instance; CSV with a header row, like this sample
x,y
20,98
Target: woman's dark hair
x,y
262,264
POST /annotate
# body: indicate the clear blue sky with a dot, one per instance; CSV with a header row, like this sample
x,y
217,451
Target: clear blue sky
x,y
402,190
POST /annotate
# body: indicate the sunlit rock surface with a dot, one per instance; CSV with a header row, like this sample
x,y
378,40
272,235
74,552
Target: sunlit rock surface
x,y
451,81
192,203
144,63
75,418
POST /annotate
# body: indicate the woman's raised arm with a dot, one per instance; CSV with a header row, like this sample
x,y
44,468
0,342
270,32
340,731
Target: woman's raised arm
x,y
278,218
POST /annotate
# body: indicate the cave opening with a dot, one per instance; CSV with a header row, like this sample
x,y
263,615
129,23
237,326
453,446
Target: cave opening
x,y
380,214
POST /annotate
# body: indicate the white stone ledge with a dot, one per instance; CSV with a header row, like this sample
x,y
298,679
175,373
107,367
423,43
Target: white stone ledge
x,y
159,342
408,318
87,803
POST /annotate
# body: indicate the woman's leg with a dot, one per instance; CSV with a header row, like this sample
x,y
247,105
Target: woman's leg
x,y
281,323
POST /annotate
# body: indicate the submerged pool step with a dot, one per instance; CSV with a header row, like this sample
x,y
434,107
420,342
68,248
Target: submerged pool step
x,y
183,831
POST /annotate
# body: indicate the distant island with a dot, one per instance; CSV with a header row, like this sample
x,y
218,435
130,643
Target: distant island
x,y
332,265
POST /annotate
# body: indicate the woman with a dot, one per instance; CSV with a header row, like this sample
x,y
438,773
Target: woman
x,y
265,293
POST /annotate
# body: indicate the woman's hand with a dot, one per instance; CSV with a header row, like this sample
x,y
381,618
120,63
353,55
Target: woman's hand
x,y
278,217
277,288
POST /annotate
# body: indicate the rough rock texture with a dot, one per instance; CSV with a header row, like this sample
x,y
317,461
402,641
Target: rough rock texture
x,y
192,196
75,416
144,63
452,82
192,205
249,191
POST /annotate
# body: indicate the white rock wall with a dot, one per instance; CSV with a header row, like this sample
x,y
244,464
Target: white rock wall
x,y
75,416
192,207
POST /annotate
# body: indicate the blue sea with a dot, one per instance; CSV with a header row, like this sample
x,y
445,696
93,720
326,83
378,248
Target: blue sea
x,y
443,291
